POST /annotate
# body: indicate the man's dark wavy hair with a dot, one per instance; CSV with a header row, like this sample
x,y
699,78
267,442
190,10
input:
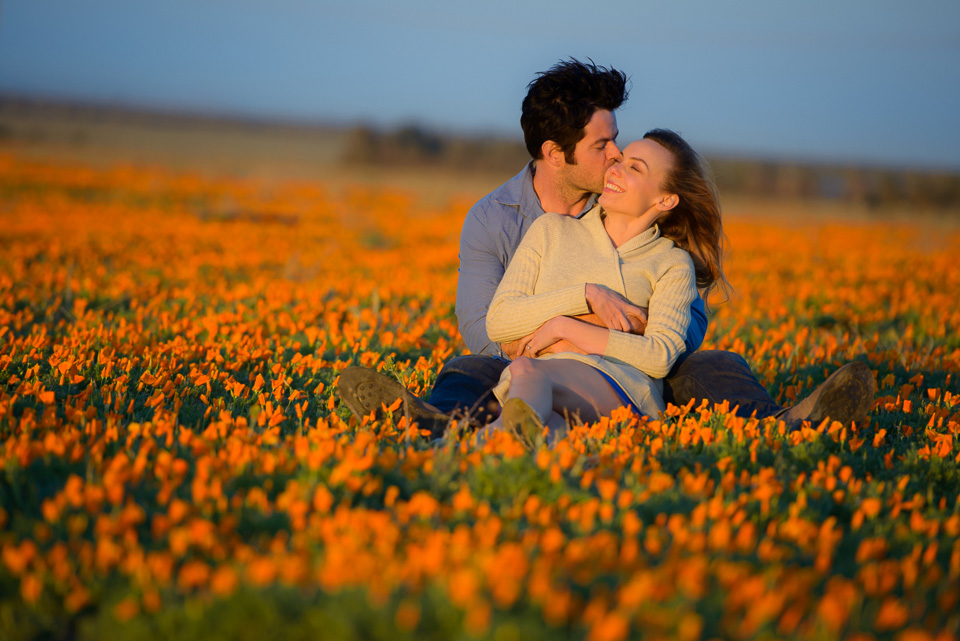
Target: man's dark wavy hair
x,y
561,101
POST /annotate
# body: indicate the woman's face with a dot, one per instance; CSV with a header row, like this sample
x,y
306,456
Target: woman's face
x,y
632,184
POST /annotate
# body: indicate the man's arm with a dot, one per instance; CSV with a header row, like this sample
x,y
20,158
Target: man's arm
x,y
481,270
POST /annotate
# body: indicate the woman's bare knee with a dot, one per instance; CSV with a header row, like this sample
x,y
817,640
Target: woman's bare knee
x,y
571,386
580,389
522,366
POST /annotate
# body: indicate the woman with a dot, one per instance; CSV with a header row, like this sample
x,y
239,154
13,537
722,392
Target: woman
x,y
654,237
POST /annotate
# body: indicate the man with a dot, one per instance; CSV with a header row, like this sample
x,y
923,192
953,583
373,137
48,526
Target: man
x,y
570,131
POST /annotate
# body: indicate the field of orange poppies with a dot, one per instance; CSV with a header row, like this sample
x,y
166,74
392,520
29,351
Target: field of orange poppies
x,y
174,461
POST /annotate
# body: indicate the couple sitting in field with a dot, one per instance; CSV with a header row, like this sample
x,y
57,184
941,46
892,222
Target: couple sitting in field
x,y
596,305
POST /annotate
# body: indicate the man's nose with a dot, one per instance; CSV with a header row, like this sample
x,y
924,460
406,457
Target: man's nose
x,y
613,152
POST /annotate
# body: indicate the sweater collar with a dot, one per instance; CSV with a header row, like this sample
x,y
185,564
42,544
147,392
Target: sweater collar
x,y
595,216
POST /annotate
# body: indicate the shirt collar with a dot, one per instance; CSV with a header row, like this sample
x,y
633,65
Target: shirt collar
x,y
519,192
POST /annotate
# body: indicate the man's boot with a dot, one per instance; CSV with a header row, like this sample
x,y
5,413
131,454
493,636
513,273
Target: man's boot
x,y
846,396
365,390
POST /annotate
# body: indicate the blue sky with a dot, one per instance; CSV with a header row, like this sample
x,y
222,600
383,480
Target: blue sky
x,y
868,81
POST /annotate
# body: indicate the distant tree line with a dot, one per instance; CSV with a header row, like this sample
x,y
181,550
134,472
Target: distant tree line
x,y
412,145
874,187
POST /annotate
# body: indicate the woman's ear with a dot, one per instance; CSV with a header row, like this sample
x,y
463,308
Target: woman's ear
x,y
666,202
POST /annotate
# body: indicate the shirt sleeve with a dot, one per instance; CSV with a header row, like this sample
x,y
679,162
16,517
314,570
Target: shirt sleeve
x,y
481,268
655,352
516,311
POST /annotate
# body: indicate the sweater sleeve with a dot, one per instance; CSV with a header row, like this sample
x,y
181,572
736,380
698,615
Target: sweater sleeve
x,y
516,311
669,316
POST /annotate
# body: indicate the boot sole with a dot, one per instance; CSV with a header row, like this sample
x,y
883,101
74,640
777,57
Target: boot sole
x,y
848,395
365,391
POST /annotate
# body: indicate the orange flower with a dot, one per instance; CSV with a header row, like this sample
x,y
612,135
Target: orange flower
x,y
193,574
611,627
31,587
126,609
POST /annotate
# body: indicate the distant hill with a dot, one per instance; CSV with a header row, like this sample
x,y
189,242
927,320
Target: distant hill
x,y
145,133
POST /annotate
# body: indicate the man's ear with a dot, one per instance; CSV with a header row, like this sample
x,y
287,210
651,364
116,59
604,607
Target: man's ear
x,y
552,154
666,202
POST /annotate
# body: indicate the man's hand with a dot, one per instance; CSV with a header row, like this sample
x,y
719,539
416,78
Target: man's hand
x,y
512,349
562,345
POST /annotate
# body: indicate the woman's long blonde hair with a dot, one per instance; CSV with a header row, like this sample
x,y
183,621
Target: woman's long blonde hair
x,y
694,224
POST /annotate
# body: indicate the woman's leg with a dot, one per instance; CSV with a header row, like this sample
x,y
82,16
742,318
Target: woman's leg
x,y
551,390
561,385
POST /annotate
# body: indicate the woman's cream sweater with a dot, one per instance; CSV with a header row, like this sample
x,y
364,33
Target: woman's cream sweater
x,y
547,277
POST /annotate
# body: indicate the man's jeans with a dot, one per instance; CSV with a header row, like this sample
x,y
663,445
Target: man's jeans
x,y
465,383
718,376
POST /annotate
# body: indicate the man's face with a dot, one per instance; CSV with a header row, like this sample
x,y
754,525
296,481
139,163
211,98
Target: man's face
x,y
594,154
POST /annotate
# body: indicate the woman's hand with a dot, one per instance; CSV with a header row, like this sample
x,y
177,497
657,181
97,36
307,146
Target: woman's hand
x,y
614,311
516,348
636,317
546,335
